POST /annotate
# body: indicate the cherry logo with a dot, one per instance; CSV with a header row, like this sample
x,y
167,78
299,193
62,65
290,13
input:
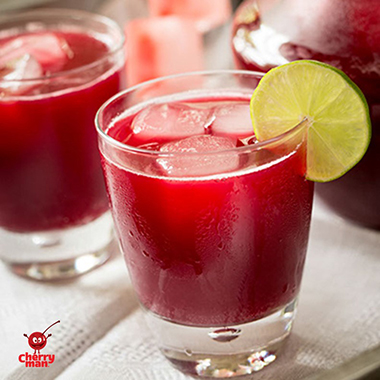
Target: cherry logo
x,y
37,341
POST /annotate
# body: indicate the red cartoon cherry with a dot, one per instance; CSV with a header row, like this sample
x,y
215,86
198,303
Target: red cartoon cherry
x,y
37,341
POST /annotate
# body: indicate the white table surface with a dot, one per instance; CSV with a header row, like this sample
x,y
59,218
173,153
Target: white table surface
x,y
102,334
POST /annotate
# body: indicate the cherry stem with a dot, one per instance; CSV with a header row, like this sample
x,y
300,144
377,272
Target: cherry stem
x,y
50,326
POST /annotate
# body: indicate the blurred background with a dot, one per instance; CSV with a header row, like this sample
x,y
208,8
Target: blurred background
x,y
216,52
89,5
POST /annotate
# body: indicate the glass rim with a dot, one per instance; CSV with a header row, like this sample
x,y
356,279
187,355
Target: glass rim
x,y
73,14
241,149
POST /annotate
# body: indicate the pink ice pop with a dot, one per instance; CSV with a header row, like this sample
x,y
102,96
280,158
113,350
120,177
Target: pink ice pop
x,y
160,46
206,14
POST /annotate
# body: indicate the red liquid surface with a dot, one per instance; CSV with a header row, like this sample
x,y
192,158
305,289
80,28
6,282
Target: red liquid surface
x,y
212,251
49,166
344,34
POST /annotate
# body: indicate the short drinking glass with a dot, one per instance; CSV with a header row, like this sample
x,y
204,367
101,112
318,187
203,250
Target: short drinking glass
x,y
213,224
57,67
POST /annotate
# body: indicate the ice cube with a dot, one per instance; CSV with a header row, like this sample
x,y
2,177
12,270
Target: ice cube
x,y
51,51
18,69
232,120
191,164
205,14
161,46
170,121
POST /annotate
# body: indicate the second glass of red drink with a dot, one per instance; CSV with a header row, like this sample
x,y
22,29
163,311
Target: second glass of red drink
x,y
56,69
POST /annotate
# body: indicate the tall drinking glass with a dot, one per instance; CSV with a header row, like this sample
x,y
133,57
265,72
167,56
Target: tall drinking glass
x,y
56,69
213,225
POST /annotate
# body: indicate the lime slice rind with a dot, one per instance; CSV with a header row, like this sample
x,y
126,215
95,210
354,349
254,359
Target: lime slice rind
x,y
339,128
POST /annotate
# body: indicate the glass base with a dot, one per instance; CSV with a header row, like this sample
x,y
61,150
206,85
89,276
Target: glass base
x,y
223,351
58,255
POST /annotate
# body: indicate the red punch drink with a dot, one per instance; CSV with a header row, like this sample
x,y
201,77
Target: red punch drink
x,y
344,34
196,222
213,225
51,180
56,69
